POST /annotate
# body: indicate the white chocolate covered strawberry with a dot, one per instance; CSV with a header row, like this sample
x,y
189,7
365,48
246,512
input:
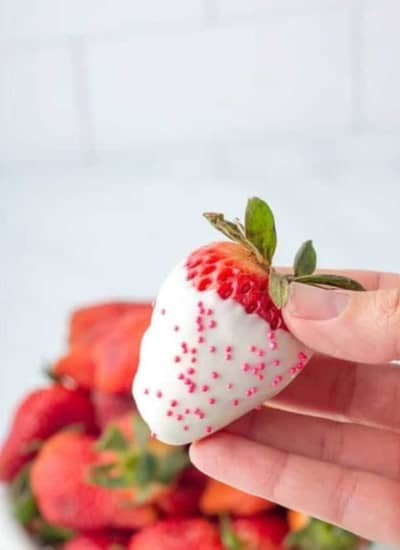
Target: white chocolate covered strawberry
x,y
217,346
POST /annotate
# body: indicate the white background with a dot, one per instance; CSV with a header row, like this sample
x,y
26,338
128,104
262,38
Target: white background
x,y
120,122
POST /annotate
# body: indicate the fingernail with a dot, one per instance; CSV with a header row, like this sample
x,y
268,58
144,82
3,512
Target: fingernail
x,y
313,303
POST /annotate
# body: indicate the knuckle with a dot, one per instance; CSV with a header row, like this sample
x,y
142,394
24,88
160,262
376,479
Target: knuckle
x,y
387,303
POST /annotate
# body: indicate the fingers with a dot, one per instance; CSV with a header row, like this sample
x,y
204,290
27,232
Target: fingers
x,y
357,326
358,501
347,392
349,445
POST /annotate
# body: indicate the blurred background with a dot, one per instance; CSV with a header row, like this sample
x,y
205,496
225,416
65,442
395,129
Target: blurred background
x,y
120,122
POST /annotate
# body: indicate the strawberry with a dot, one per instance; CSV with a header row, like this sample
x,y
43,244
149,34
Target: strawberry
x,y
77,365
91,322
91,325
217,345
255,533
42,413
116,354
96,541
109,407
183,499
61,484
178,534
219,498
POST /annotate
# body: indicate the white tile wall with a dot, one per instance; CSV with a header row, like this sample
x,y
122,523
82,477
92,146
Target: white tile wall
x,y
38,104
79,75
382,65
220,83
45,18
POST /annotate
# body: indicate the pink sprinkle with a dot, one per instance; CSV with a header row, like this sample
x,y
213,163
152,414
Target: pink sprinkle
x,y
214,374
159,394
261,366
228,349
192,388
254,389
187,381
176,328
205,387
199,319
184,344
191,370
245,367
181,376
212,349
173,403
302,356
260,377
201,415
162,311
153,435
273,345
212,323
209,312
200,304
187,411
249,393
300,366
201,339
228,357
177,359
196,410
276,362
229,386
200,328
255,370
193,360
292,370
271,335
260,352
146,391
169,412
277,380
193,350
212,400
208,429
253,348
235,402
179,417
258,408
186,427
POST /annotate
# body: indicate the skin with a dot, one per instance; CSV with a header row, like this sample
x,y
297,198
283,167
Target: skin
x,y
329,444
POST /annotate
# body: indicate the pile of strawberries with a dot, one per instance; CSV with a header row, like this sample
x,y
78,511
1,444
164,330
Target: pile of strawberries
x,y
84,473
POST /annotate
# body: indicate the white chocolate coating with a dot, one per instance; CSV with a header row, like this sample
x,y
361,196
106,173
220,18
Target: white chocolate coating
x,y
205,362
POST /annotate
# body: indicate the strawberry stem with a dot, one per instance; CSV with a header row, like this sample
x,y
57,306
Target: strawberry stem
x,y
258,235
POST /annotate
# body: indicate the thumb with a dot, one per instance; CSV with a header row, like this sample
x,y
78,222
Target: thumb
x,y
356,326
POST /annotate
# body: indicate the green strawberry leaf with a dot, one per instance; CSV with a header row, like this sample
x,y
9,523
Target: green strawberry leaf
x,y
229,538
324,279
141,432
52,534
146,469
229,229
260,227
171,465
112,440
305,261
278,288
318,535
24,504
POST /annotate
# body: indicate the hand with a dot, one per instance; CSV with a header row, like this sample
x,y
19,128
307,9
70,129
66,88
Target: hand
x,y
329,444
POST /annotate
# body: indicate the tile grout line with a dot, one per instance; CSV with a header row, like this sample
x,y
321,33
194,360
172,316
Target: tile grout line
x,y
357,65
82,99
